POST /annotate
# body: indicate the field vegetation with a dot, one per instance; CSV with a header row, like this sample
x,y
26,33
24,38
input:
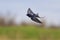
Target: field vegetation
x,y
29,33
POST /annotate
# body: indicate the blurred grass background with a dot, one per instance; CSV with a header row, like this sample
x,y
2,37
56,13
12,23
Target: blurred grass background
x,y
29,33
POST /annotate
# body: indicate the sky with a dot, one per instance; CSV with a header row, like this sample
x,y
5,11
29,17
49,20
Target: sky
x,y
48,8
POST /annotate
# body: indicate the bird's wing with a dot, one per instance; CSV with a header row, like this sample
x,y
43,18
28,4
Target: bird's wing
x,y
36,20
29,11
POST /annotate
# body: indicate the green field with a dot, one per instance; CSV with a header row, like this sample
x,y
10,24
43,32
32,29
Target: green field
x,y
29,33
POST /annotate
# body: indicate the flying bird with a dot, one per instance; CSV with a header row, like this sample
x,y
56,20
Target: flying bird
x,y
33,16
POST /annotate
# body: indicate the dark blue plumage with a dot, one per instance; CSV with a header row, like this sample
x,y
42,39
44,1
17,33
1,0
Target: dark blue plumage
x,y
33,16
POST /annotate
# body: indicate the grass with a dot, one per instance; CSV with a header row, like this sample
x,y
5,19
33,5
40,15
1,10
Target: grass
x,y
29,33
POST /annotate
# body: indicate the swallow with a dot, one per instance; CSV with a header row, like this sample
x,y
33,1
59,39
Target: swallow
x,y
33,16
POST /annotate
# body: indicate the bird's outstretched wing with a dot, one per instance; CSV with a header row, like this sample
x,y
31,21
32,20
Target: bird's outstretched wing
x,y
29,11
36,20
